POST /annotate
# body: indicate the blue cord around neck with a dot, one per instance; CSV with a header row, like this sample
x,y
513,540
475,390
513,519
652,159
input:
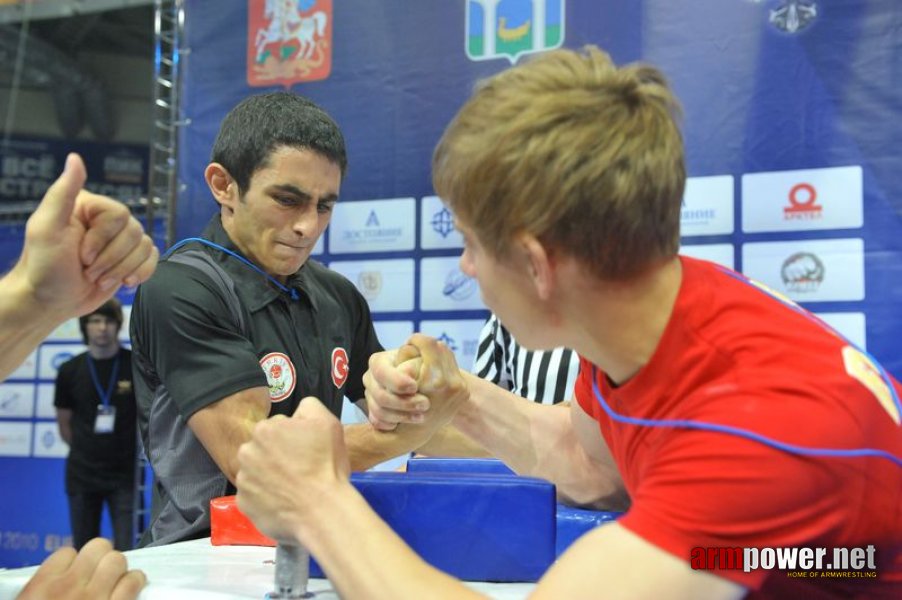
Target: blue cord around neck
x,y
738,432
292,293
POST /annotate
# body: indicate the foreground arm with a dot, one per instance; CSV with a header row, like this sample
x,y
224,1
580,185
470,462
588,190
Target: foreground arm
x,y
96,572
307,453
79,248
224,425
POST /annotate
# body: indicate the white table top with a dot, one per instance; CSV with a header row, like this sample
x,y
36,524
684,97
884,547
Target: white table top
x,y
201,571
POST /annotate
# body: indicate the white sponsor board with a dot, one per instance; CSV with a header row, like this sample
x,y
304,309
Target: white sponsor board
x,y
28,369
851,325
44,404
393,333
460,335
15,438
809,270
51,356
437,225
804,200
320,246
722,254
373,226
17,400
66,332
47,441
707,206
387,285
444,287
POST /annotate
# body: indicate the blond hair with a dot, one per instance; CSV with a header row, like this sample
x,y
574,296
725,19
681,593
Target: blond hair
x,y
586,156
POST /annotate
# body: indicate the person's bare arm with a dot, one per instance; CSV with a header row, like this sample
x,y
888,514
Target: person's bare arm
x,y
79,249
64,422
308,452
224,425
533,439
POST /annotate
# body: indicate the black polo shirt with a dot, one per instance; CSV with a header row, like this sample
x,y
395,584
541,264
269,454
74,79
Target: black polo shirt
x,y
201,332
98,462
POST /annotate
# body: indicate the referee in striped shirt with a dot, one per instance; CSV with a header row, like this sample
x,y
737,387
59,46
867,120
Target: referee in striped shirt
x,y
547,377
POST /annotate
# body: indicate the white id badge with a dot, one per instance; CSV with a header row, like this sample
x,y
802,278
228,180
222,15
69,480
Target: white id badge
x,y
106,419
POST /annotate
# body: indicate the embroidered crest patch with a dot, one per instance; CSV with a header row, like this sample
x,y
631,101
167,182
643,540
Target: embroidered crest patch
x,y
280,375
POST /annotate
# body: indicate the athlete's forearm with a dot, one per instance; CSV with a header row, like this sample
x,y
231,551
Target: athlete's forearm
x,y
536,440
23,324
368,446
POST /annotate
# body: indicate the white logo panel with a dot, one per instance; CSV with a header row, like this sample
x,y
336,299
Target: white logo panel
x,y
17,400
15,438
45,408
387,285
47,441
373,226
51,356
437,225
393,333
28,369
461,336
707,206
68,331
722,254
444,287
851,326
809,271
804,200
320,246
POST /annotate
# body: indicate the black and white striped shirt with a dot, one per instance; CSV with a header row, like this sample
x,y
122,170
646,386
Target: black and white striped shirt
x,y
542,376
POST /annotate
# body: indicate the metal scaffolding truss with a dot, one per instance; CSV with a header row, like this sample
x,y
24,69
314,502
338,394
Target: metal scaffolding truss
x,y
163,183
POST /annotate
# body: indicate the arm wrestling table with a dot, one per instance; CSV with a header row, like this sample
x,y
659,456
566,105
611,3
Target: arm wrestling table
x,y
197,570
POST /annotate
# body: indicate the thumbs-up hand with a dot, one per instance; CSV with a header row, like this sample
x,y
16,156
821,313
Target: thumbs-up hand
x,y
81,247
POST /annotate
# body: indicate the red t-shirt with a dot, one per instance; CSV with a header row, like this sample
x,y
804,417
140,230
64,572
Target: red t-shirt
x,y
734,355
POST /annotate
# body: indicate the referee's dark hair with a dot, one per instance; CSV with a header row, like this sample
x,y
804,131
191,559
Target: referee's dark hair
x,y
262,123
112,309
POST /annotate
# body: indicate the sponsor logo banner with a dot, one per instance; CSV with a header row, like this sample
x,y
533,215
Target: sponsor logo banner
x,y
15,438
851,325
437,225
288,41
803,200
373,226
707,206
28,369
444,287
511,28
722,254
69,332
44,408
809,271
387,285
52,356
47,441
17,400
461,336
393,333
